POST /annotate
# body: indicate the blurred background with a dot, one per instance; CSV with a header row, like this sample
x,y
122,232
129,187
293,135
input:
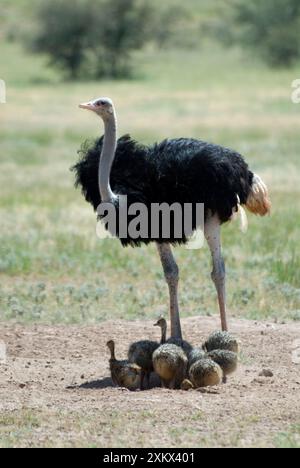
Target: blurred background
x,y
214,70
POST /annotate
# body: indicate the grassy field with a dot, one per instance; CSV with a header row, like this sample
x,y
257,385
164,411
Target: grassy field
x,y
21,426
54,270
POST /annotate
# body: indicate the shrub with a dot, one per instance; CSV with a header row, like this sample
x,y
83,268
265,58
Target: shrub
x,y
271,27
106,31
122,28
64,32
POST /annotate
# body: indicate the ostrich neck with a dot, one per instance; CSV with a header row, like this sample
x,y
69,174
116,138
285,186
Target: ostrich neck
x,y
163,335
107,158
112,354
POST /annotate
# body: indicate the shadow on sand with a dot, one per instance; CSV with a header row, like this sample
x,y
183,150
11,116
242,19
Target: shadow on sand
x,y
108,383
93,384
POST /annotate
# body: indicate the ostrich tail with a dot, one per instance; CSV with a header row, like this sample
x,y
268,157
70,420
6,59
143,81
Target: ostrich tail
x,y
258,201
243,219
240,213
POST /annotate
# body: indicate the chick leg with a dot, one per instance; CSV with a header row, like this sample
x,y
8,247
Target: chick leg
x,y
164,384
171,272
212,231
172,384
142,380
148,375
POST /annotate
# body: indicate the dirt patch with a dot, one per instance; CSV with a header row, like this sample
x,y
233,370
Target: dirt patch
x,y
59,375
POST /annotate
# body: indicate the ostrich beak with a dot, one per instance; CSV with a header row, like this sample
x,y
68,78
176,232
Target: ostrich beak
x,y
87,105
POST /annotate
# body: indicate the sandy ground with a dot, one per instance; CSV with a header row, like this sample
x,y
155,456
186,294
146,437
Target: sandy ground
x,y
61,375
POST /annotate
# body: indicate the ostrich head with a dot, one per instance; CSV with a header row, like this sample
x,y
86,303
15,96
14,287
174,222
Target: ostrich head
x,y
111,346
161,322
102,106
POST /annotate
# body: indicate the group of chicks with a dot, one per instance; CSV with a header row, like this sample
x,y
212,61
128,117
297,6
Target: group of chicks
x,y
176,362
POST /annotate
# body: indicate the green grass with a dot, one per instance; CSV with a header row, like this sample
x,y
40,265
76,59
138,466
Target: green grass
x,y
52,266
111,428
17,426
289,439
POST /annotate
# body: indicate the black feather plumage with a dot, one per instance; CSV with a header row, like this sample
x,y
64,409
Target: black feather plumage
x,y
177,170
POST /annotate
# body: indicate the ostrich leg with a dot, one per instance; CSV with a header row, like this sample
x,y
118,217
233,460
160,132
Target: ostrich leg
x,y
212,231
172,276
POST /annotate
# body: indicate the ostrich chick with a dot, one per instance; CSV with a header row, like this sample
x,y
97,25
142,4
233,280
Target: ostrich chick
x,y
170,363
205,373
221,340
123,373
187,347
141,353
195,355
227,360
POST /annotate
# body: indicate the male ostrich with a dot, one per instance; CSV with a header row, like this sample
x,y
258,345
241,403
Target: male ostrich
x,y
174,171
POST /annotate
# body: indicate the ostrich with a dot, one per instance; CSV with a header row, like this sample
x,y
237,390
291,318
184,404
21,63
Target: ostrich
x,y
175,170
123,373
170,364
203,373
185,345
141,352
221,340
196,355
227,360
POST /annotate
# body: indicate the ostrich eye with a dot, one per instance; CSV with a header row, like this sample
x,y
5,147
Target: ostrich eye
x,y
101,103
